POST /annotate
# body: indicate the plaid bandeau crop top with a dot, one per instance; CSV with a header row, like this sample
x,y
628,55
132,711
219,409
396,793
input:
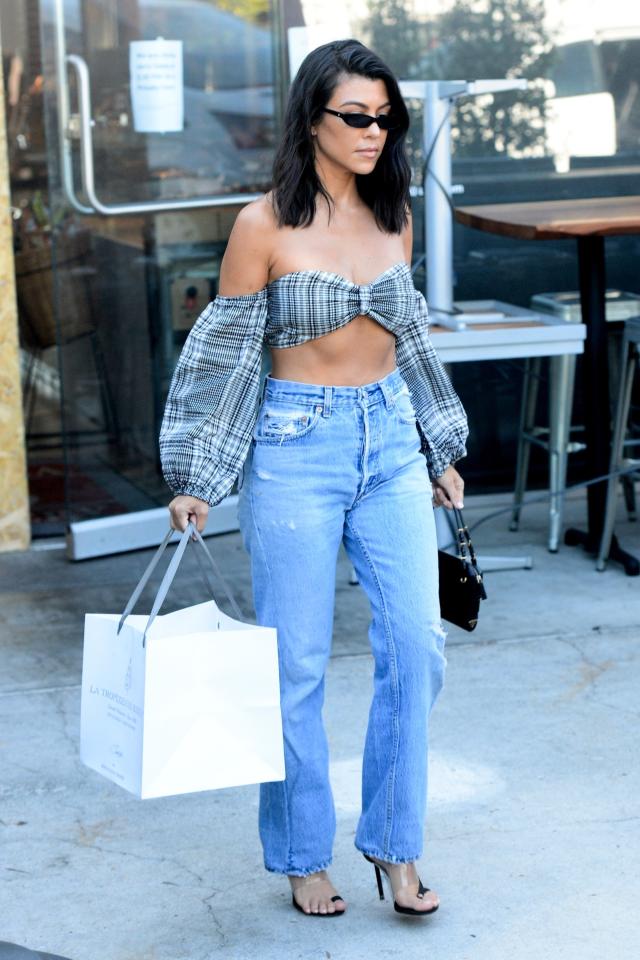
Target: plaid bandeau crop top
x,y
213,398
306,304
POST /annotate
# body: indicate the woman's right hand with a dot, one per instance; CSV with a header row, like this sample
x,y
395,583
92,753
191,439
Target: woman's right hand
x,y
184,509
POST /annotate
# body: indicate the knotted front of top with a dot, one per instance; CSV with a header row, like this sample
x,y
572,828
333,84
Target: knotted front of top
x,y
365,297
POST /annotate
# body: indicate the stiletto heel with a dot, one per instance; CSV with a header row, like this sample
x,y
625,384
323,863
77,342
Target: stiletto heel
x,y
379,879
409,911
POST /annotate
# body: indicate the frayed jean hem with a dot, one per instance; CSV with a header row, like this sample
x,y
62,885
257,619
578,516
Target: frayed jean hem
x,y
387,857
299,871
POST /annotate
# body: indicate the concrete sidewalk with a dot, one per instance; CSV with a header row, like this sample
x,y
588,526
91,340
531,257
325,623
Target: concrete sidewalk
x,y
532,838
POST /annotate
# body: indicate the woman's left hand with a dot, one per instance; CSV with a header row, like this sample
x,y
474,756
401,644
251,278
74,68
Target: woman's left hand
x,y
448,489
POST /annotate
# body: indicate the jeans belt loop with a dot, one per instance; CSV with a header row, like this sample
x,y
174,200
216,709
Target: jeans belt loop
x,y
326,408
387,393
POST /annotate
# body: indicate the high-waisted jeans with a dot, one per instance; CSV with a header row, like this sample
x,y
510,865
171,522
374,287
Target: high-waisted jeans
x,y
331,465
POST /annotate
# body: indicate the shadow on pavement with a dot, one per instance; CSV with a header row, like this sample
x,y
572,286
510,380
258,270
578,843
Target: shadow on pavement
x,y
11,951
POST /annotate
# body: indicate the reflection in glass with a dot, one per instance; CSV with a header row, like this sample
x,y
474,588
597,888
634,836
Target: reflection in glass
x,y
123,291
228,135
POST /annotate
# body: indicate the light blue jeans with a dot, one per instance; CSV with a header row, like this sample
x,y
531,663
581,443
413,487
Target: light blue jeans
x,y
331,465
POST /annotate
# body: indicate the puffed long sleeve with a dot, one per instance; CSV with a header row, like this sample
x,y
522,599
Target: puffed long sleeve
x,y
442,421
213,398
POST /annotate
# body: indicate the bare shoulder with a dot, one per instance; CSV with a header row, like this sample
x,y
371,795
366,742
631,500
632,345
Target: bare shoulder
x,y
258,215
245,265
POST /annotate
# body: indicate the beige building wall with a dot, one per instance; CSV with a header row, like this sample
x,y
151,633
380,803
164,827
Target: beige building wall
x,y
15,526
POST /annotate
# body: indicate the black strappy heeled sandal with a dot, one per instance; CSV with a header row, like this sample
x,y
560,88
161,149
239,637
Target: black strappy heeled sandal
x,y
337,897
409,911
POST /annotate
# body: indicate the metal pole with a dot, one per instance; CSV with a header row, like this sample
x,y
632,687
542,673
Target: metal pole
x,y
438,222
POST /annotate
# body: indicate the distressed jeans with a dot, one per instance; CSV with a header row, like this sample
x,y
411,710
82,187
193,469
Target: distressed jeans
x,y
331,465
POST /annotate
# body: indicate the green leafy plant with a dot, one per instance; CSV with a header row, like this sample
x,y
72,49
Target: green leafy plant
x,y
33,221
474,39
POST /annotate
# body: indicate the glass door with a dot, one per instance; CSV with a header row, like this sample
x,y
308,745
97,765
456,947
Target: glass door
x,y
160,118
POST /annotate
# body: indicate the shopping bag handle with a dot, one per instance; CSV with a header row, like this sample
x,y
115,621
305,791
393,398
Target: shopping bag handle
x,y
169,575
216,569
144,579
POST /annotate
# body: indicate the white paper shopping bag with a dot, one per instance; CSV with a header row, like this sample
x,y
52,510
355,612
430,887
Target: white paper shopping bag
x,y
183,702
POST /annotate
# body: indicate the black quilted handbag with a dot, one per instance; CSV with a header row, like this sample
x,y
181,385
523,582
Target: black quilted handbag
x,y
461,581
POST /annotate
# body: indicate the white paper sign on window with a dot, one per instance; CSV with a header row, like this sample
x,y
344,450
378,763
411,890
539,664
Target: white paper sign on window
x,y
157,86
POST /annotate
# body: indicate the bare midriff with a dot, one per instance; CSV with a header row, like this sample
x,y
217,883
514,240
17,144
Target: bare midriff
x,y
360,352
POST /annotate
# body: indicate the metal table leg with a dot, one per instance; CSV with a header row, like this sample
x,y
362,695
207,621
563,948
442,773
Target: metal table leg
x,y
562,370
596,399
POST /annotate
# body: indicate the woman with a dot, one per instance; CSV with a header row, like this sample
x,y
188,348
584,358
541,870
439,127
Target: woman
x,y
337,447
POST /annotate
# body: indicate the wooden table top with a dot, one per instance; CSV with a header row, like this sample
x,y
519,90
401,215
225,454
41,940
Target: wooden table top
x,y
554,219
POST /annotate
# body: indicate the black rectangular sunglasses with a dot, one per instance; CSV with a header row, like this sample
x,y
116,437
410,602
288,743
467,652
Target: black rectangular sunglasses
x,y
384,121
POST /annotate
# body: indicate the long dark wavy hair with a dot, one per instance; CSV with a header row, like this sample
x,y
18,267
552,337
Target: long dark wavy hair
x,y
295,180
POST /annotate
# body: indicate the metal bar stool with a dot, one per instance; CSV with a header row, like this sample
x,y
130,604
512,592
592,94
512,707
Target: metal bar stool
x,y
556,439
629,363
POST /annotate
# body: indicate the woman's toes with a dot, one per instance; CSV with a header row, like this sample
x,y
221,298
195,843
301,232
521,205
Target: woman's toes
x,y
424,903
318,899
429,901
